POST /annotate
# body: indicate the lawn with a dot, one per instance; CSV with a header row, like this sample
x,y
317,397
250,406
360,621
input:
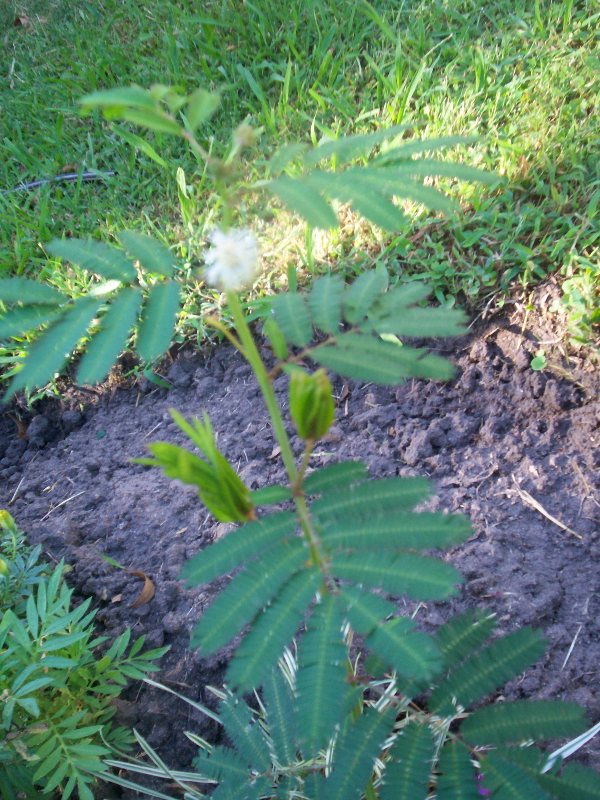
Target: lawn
x,y
522,76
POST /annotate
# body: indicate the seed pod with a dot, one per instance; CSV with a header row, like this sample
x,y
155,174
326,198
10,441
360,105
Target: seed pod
x,y
311,403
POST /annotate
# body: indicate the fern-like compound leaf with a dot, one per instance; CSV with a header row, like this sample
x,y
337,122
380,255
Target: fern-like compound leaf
x,y
411,653
49,352
408,772
522,720
158,320
21,319
487,670
362,293
303,199
384,495
291,314
457,779
397,530
419,577
245,733
247,594
152,254
325,303
238,547
360,743
94,256
335,476
272,631
106,345
322,690
281,717
365,358
463,634
23,290
508,781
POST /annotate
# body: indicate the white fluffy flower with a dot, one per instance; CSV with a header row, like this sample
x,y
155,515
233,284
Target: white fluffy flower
x,y
232,261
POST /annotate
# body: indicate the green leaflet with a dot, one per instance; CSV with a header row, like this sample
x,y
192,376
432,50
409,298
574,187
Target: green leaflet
x,y
158,320
508,781
362,357
247,594
245,734
383,494
463,634
522,720
325,303
21,319
94,256
22,290
272,631
334,476
107,345
133,96
362,293
281,717
270,495
276,338
284,156
363,197
423,167
414,146
397,298
49,352
397,530
153,119
487,670
364,610
417,321
411,653
238,547
201,106
301,198
221,763
321,686
419,577
291,314
407,774
152,254
457,779
360,743
575,783
350,147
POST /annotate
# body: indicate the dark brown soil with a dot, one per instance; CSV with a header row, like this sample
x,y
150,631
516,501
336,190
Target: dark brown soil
x,y
495,441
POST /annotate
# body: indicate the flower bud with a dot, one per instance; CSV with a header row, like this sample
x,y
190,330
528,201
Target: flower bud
x,y
245,136
7,523
311,403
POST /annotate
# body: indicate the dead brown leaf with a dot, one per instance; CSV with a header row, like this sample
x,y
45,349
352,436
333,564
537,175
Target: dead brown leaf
x,y
148,589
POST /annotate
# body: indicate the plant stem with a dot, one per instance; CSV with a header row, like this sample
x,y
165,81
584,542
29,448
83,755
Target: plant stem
x,y
252,355
250,352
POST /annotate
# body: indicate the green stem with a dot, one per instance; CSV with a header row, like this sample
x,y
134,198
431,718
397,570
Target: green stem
x,y
253,357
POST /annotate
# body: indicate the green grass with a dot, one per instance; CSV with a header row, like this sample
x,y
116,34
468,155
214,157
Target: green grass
x,y
518,73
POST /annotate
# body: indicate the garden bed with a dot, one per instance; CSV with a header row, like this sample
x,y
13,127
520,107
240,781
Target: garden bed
x,y
513,448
